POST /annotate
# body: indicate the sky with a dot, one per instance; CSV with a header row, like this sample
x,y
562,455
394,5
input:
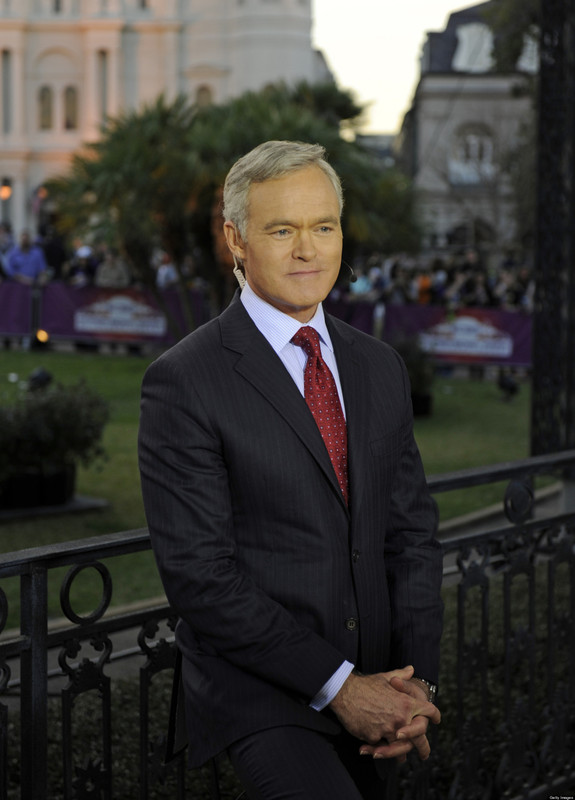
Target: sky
x,y
373,47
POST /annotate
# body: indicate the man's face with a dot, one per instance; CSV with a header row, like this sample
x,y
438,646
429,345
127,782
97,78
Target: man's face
x,y
292,252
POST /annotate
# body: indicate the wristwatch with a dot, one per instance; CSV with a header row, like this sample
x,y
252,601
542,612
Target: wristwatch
x,y
431,688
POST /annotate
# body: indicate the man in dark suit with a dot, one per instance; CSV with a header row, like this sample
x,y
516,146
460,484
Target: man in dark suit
x,y
306,575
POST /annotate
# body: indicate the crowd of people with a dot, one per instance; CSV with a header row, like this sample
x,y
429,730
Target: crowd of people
x,y
455,281
38,260
43,258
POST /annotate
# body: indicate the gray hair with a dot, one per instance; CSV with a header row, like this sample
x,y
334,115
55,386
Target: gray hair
x,y
265,162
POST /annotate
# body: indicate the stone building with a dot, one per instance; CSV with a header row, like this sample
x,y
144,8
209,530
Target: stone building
x,y
67,64
465,118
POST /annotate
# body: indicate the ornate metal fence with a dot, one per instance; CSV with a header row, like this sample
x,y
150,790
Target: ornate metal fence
x,y
508,666
507,677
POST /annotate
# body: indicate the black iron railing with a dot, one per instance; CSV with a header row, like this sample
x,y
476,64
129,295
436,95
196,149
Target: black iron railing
x,y
507,688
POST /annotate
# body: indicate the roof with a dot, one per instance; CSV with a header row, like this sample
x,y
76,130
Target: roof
x,y
440,46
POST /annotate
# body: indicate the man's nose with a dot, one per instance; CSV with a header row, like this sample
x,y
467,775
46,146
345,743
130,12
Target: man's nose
x,y
304,246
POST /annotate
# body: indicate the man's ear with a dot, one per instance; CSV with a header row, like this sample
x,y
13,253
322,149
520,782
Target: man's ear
x,y
234,240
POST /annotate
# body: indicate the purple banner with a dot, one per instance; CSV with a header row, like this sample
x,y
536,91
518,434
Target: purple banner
x,y
471,335
474,335
89,313
15,309
358,313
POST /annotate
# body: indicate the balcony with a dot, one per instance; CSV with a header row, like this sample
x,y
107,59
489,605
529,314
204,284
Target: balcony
x,y
73,691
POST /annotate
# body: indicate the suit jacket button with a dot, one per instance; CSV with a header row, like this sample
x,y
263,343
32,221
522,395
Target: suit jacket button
x,y
351,623
355,556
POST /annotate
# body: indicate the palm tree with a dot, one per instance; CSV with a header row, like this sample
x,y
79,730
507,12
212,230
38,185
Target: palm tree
x,y
134,189
154,178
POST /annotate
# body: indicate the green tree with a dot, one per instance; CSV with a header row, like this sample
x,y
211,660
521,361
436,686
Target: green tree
x,y
134,189
153,178
512,22
370,193
336,106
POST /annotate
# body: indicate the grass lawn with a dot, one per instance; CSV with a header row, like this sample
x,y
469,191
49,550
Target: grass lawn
x,y
470,426
118,379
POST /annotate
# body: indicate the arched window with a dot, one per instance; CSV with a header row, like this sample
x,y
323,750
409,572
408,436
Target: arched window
x,y
472,156
70,108
204,96
45,108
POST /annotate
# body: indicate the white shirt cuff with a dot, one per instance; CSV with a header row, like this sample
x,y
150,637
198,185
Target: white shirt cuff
x,y
331,687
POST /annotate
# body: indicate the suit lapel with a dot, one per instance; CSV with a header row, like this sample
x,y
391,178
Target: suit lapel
x,y
259,364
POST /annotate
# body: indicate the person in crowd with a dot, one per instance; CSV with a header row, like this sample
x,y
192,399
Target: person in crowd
x,y
112,272
438,281
362,286
54,252
504,291
523,289
477,291
289,512
456,287
82,267
25,263
423,287
398,290
166,274
6,244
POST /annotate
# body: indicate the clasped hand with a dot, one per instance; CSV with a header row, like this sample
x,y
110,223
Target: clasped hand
x,y
388,711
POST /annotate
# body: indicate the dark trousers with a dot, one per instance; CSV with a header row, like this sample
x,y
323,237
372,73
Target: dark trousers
x,y
292,763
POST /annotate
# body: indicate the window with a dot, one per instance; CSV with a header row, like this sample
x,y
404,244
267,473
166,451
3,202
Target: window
x,y
472,156
57,6
204,96
70,108
103,83
45,108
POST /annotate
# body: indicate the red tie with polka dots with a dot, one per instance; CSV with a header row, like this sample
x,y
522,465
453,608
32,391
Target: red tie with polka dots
x,y
323,400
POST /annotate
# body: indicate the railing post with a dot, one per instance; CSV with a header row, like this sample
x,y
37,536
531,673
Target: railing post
x,y
568,494
34,677
552,414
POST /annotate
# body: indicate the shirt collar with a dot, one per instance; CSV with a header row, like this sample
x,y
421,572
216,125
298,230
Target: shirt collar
x,y
277,327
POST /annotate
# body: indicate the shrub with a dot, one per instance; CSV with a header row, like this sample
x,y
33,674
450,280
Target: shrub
x,y
50,427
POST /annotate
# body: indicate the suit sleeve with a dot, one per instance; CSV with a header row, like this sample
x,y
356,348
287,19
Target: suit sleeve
x,y
188,502
414,562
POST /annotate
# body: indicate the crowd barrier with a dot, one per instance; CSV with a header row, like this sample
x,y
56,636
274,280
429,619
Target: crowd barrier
x,y
468,335
90,314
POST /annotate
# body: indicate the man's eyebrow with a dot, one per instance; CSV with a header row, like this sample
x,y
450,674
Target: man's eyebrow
x,y
278,223
284,223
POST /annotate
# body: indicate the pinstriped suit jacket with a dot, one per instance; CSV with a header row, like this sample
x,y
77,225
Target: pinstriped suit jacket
x,y
275,580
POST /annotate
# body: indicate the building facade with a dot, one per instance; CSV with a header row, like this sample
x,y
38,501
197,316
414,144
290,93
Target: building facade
x,y
465,119
66,65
